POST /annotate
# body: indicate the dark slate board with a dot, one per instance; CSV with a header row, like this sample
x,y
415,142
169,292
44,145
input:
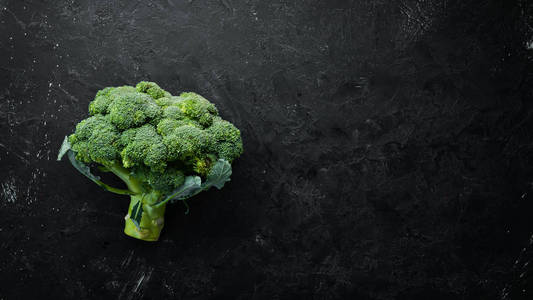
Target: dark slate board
x,y
388,149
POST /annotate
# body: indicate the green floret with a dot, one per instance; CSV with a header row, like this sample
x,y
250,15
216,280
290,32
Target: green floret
x,y
165,181
99,105
173,112
167,126
164,101
228,151
198,108
145,147
168,101
202,165
152,89
105,97
101,101
95,140
186,142
127,137
106,91
132,110
81,148
227,142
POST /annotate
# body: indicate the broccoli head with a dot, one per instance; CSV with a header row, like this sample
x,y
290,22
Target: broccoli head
x,y
164,147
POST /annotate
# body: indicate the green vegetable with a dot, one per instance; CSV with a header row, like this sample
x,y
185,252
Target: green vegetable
x,y
165,148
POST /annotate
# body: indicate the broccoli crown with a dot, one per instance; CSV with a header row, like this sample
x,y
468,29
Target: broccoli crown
x,y
159,138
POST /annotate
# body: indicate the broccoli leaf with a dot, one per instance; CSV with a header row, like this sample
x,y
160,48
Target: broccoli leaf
x,y
136,214
82,168
64,148
86,170
189,188
220,174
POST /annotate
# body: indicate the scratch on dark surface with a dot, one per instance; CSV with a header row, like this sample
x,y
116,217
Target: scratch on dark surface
x,y
19,22
171,3
134,287
145,277
72,97
522,270
291,48
227,5
18,155
419,16
127,260
415,15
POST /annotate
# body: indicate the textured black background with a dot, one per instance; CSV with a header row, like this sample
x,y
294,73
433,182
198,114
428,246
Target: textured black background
x,y
388,149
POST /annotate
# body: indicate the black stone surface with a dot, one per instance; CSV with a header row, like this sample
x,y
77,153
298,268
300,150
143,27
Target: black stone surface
x,y
388,149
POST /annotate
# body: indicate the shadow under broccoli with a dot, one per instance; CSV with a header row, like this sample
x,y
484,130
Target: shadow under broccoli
x,y
165,148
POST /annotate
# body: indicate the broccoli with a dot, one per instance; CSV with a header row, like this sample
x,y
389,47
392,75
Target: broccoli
x,y
165,148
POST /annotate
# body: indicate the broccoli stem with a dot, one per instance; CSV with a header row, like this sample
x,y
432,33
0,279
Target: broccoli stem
x,y
152,218
133,184
152,221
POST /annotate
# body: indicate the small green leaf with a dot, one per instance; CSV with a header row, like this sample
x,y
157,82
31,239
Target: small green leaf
x,y
137,214
189,188
220,174
64,148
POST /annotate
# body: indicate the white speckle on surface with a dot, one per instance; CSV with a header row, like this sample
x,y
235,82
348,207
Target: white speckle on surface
x,y
259,240
9,190
529,45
